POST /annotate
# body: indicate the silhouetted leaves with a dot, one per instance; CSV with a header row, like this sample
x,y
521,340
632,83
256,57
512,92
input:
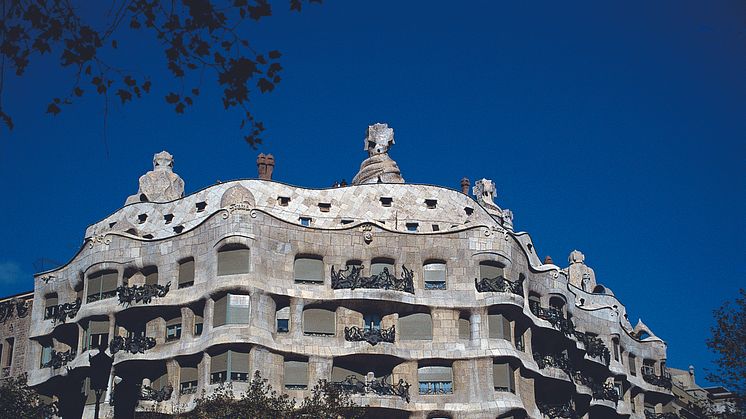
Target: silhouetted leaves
x,y
728,341
197,36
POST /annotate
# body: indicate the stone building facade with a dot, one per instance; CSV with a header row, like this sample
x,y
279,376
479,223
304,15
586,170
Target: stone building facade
x,y
422,301
15,323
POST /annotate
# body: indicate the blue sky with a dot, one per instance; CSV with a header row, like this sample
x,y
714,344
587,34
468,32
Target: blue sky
x,y
615,128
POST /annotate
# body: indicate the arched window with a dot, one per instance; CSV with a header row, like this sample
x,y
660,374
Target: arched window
x,y
557,303
319,322
51,305
491,269
415,326
101,285
599,289
377,266
435,275
283,319
233,259
309,269
464,326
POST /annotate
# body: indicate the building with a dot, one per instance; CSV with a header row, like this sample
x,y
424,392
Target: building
x,y
694,402
421,300
15,323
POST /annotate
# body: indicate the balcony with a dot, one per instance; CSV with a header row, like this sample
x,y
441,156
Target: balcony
x,y
351,278
594,347
101,296
372,335
353,385
59,359
648,374
131,344
653,415
605,391
499,284
61,312
563,410
141,293
555,317
151,394
554,360
8,308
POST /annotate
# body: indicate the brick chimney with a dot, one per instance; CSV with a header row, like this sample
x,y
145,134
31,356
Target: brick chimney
x,y
265,165
465,184
548,260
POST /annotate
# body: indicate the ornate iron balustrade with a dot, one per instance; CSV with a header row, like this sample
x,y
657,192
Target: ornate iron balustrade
x,y
605,391
499,284
352,278
664,380
554,360
594,347
134,345
64,311
59,359
565,410
149,393
371,335
141,293
8,308
353,385
555,318
653,415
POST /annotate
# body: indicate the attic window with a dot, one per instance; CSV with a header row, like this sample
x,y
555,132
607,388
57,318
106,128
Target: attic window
x,y
530,247
201,206
347,221
386,201
147,236
431,203
436,227
112,224
168,218
132,231
305,221
324,206
468,210
412,226
178,229
142,217
283,200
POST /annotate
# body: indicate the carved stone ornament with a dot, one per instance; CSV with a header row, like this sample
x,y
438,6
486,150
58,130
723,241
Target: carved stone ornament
x,y
378,167
367,230
160,184
485,193
99,239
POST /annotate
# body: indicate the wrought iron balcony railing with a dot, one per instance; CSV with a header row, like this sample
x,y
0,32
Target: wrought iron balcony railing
x,y
663,380
353,385
131,344
555,317
594,347
371,335
352,278
605,391
149,393
554,360
653,415
61,312
602,391
558,410
8,308
141,293
499,284
59,359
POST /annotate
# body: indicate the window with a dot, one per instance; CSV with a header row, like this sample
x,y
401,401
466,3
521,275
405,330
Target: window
x,y
436,227
102,285
386,201
491,270
632,366
435,275
416,326
295,375
324,206
499,327
534,302
173,329
372,321
188,381
96,334
339,374
283,320
151,275
412,226
431,203
557,303
464,327
319,322
615,345
435,379
648,367
9,346
229,366
231,309
186,273
167,218
201,206
46,354
283,201
198,323
378,265
51,306
305,221
503,376
233,259
309,270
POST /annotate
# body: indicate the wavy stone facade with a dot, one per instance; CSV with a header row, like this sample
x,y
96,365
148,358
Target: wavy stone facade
x,y
419,300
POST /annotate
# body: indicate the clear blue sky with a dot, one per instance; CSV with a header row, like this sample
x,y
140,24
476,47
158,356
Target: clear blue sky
x,y
615,128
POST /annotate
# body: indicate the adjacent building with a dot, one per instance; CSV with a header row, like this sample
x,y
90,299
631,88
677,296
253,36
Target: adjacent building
x,y
421,301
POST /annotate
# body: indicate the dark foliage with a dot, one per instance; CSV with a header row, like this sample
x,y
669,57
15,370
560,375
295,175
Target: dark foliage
x,y
17,400
728,341
198,37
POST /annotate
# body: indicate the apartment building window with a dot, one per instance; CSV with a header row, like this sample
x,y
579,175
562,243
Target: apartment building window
x,y
102,285
464,327
309,269
534,302
173,329
151,275
378,265
51,306
372,321
46,354
189,380
319,322
504,377
198,324
435,275
305,221
295,375
412,226
490,269
499,326
339,374
415,326
283,320
229,366
186,273
96,335
615,347
231,309
233,259
632,366
435,380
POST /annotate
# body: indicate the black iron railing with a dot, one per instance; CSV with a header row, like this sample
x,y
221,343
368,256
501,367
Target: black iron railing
x,y
372,335
149,393
141,293
594,346
600,390
13,307
663,380
558,410
61,312
499,284
352,278
353,385
653,415
131,344
59,359
555,317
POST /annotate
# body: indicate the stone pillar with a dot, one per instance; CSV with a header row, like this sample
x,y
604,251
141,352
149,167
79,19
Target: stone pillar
x,y
187,323
296,318
207,315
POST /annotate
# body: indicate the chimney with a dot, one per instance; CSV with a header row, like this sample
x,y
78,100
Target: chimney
x,y
548,260
265,165
465,184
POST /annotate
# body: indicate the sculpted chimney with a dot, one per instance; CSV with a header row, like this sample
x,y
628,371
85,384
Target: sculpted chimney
x,y
265,165
465,184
